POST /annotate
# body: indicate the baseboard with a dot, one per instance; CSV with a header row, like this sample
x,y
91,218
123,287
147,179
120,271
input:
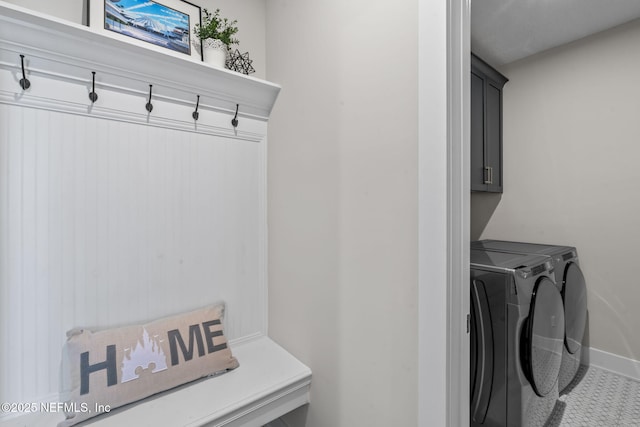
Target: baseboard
x,y
612,362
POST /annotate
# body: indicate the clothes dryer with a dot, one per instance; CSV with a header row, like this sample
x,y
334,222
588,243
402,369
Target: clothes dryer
x,y
517,331
573,289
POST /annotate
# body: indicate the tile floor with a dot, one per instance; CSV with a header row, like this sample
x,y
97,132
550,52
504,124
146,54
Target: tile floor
x,y
595,398
598,398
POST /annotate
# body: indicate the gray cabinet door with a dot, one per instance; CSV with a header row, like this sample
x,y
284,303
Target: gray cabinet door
x,y
486,126
493,141
477,134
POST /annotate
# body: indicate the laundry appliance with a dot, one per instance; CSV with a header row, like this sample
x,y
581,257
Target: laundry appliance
x,y
572,287
517,332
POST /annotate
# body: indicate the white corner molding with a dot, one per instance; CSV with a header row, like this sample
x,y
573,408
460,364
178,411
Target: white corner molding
x,y
66,53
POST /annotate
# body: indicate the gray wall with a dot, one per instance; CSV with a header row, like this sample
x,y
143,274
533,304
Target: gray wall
x,y
572,175
343,226
71,10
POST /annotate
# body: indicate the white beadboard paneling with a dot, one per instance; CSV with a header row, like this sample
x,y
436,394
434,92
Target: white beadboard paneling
x,y
4,225
106,222
13,251
41,245
28,308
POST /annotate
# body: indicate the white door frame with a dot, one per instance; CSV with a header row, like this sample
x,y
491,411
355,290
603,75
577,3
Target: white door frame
x,y
444,205
459,188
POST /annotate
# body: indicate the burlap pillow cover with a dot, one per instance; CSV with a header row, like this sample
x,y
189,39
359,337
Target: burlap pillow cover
x,y
119,366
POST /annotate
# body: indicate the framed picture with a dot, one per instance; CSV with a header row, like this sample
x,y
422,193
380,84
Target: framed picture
x,y
164,23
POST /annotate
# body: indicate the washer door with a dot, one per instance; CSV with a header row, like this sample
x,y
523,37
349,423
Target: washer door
x,y
574,296
542,337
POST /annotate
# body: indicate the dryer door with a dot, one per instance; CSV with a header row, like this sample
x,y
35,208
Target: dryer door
x,y
574,296
542,337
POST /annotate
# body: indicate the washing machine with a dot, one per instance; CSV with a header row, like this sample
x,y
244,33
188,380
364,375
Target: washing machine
x,y
573,289
516,332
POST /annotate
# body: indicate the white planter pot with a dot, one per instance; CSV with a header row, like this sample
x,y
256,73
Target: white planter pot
x,y
215,52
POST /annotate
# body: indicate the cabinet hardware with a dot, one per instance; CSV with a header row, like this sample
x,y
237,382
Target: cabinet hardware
x,y
488,175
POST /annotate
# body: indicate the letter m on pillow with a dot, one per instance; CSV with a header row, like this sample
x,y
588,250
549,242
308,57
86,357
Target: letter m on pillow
x,y
195,334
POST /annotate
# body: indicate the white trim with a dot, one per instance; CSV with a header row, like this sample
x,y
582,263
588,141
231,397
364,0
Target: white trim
x,y
432,215
612,362
458,183
443,204
179,122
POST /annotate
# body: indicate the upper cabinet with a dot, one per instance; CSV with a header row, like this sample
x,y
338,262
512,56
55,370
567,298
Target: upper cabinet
x,y
486,126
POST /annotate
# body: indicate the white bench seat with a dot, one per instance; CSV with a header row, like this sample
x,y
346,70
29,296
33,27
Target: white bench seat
x,y
269,383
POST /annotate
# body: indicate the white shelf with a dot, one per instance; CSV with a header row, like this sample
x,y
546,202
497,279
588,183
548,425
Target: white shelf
x,y
67,51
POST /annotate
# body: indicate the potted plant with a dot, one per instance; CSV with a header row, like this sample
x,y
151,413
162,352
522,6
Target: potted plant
x,y
216,35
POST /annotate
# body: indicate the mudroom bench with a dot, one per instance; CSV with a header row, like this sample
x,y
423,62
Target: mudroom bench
x,y
160,162
268,384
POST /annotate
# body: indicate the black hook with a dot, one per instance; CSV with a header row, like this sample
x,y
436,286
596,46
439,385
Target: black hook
x,y
24,82
234,121
195,114
93,96
149,106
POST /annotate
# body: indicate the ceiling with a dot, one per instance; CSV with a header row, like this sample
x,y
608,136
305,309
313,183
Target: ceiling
x,y
504,31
